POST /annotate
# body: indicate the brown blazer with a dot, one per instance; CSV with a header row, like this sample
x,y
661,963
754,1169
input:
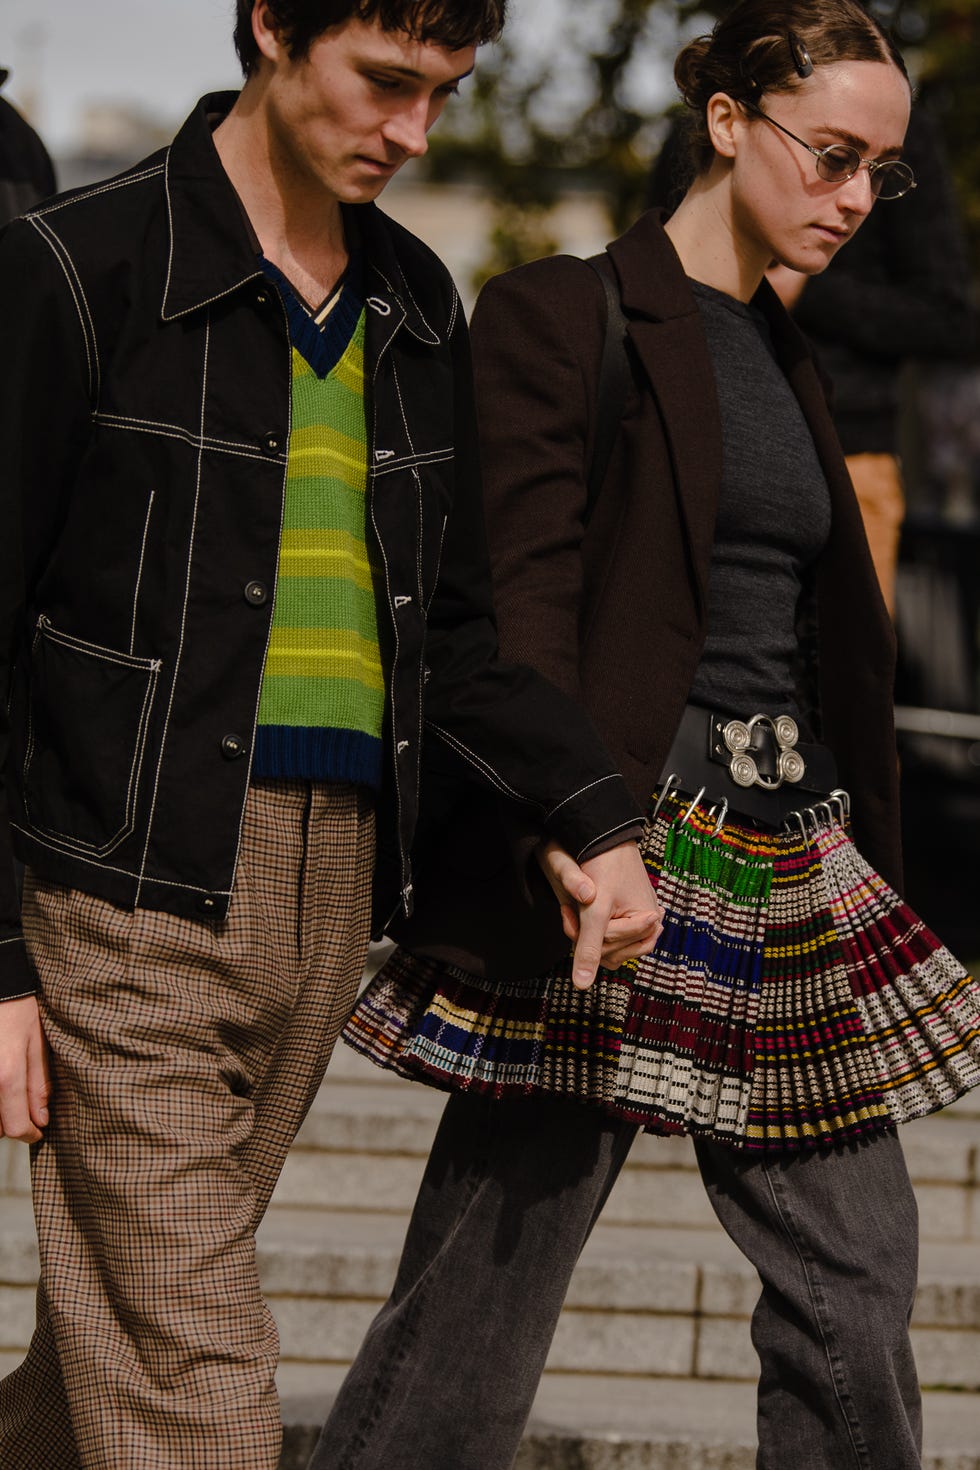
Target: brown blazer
x,y
614,611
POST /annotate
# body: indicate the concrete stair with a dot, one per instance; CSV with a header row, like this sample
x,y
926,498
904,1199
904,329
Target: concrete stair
x,y
652,1364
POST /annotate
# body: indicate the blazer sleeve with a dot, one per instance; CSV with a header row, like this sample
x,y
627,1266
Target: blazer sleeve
x,y
537,341
523,736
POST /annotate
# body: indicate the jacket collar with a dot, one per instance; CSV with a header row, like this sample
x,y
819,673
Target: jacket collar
x,y
211,253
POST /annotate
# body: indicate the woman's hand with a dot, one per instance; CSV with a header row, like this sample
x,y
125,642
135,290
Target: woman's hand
x,y
609,910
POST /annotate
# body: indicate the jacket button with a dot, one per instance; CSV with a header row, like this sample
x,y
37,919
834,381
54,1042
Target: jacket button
x,y
272,443
256,594
232,746
261,298
206,904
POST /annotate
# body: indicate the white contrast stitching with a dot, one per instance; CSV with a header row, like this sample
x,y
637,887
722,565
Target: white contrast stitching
x,y
407,461
275,588
196,441
103,188
615,776
435,580
95,387
480,764
96,650
601,836
139,569
54,244
183,615
111,868
104,655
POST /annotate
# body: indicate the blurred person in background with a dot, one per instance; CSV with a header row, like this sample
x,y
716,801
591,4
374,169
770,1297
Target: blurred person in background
x,y
26,171
714,604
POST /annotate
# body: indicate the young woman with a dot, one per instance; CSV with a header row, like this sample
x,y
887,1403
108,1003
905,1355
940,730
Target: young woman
x,y
716,609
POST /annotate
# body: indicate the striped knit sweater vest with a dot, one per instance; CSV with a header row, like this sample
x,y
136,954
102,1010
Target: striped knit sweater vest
x,y
322,700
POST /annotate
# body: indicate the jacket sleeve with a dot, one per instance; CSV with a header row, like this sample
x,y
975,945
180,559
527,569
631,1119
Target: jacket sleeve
x,y
45,415
524,736
901,288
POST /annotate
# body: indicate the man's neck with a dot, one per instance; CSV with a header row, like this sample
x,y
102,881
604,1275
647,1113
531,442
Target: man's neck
x,y
299,225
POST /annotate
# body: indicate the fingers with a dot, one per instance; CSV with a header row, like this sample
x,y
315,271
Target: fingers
x,y
24,1077
38,1081
569,882
588,949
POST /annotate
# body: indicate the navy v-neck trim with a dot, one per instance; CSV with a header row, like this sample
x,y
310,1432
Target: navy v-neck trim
x,y
321,346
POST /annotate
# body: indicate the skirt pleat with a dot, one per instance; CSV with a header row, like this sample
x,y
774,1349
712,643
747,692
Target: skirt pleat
x,y
793,1000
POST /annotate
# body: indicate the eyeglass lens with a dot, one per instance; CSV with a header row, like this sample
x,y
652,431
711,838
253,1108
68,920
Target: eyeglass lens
x,y
888,180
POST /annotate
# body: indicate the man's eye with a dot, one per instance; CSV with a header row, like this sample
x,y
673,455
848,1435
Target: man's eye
x,y
383,84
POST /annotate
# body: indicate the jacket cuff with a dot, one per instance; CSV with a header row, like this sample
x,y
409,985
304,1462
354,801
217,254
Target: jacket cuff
x,y
632,833
605,811
18,976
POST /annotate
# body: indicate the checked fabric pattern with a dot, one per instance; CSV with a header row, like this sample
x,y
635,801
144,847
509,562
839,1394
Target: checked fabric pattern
x,y
186,1056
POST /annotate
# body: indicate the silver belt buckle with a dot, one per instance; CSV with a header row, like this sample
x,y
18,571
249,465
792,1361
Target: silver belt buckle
x,y
790,766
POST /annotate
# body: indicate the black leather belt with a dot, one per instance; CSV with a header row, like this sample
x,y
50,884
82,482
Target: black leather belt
x,y
758,766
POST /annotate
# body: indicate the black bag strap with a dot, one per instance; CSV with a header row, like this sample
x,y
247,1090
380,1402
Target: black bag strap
x,y
614,377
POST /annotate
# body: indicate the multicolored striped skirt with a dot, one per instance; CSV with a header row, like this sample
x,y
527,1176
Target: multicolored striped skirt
x,y
792,1000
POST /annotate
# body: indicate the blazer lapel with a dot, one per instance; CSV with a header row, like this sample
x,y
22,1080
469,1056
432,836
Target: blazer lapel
x,y
665,328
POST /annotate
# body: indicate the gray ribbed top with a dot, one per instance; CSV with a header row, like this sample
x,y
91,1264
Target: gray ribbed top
x,y
773,517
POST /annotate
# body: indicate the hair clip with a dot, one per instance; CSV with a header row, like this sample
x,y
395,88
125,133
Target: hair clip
x,y
800,55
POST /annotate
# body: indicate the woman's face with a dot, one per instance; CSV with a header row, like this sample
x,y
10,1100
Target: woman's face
x,y
782,210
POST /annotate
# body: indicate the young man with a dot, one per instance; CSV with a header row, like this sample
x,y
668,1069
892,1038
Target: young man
x,y
244,582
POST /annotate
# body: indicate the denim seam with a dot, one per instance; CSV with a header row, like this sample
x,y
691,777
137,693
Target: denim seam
x,y
826,1333
396,1358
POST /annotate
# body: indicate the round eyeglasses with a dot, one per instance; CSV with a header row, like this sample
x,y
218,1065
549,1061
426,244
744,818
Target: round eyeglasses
x,y
889,178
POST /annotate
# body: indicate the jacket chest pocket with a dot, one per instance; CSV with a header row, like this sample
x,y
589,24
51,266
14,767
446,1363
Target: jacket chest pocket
x,y
89,710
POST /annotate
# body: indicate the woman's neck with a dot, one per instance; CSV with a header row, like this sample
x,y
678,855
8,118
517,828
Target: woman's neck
x,y
703,233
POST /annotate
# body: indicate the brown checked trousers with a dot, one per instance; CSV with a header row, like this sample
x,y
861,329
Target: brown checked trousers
x,y
185,1058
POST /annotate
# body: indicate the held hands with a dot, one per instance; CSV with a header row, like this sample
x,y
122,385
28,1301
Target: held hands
x,y
608,908
25,1080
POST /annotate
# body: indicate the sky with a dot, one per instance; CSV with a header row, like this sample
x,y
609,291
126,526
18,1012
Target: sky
x,y
159,54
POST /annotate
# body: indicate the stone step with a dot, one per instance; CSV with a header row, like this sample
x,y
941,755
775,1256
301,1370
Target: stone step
x,y
667,1303
377,1129
593,1422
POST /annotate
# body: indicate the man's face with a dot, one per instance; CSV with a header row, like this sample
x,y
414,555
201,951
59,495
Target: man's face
x,y
347,116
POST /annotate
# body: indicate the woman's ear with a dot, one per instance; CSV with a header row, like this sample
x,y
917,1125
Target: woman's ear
x,y
725,120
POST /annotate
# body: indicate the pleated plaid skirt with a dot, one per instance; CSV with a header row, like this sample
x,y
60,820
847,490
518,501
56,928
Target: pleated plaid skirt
x,y
793,1000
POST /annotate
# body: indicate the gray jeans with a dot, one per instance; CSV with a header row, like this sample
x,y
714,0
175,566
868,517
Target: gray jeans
x,y
448,1371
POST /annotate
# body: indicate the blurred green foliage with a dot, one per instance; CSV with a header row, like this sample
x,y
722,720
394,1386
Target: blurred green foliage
x,y
526,132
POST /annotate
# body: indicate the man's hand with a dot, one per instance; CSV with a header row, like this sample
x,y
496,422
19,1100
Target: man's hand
x,y
609,909
25,1081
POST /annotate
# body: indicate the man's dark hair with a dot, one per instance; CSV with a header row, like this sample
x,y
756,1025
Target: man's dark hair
x,y
450,23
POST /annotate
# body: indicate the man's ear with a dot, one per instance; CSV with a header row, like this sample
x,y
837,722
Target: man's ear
x,y
267,33
725,120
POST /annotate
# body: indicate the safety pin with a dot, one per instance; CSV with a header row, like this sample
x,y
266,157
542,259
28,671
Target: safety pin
x,y
824,806
798,817
672,779
690,809
724,813
809,812
843,798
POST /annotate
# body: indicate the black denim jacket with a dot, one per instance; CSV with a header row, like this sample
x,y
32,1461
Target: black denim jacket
x,y
144,424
